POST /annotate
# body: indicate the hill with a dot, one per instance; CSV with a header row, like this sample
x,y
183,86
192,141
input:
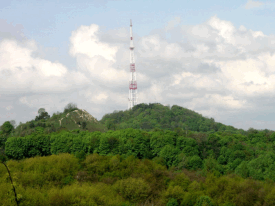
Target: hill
x,y
68,120
148,117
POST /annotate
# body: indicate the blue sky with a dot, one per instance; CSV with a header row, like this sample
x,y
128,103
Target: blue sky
x,y
185,53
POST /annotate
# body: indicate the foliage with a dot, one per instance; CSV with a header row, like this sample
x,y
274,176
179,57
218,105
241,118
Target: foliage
x,y
7,128
70,107
113,180
204,201
71,119
172,202
220,153
148,117
132,189
43,115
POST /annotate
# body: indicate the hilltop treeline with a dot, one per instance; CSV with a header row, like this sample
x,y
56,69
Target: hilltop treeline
x,y
59,180
249,155
71,118
151,116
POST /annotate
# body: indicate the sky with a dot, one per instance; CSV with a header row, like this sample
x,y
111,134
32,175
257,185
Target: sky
x,y
214,57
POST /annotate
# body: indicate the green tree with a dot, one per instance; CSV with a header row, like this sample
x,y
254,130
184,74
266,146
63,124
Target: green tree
x,y
104,147
134,190
195,162
172,202
42,114
170,154
7,128
70,107
204,201
242,170
41,110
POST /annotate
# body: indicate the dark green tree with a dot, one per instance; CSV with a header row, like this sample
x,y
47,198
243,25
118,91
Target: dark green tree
x,y
42,114
7,128
70,107
204,201
172,202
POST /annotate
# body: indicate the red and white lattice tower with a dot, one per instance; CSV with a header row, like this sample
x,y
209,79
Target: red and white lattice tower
x,y
133,79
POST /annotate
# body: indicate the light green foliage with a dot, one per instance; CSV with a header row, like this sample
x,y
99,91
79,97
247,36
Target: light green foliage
x,y
175,192
132,189
270,198
112,180
41,171
181,180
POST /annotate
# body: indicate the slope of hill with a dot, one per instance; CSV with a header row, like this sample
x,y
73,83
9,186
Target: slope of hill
x,y
148,117
76,119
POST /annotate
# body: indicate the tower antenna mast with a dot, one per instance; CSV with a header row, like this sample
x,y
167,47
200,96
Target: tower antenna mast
x,y
133,79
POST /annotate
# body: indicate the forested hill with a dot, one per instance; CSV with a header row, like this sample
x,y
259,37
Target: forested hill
x,y
148,117
72,118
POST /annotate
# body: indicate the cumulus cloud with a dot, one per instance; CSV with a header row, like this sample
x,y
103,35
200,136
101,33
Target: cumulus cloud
x,y
21,72
94,57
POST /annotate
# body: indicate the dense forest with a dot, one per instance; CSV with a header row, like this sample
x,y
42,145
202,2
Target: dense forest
x,y
150,155
152,116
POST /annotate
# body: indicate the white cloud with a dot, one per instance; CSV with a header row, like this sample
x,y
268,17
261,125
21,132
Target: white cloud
x,y
85,41
250,4
252,76
225,29
21,72
216,100
96,58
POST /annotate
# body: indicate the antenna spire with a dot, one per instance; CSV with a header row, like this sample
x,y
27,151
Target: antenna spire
x,y
133,80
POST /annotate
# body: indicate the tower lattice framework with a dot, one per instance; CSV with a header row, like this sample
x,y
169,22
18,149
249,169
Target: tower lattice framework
x,y
133,79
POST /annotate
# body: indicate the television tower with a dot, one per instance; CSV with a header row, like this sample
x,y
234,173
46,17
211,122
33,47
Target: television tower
x,y
133,79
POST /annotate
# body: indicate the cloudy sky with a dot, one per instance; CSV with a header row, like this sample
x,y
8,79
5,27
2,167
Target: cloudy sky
x,y
214,57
